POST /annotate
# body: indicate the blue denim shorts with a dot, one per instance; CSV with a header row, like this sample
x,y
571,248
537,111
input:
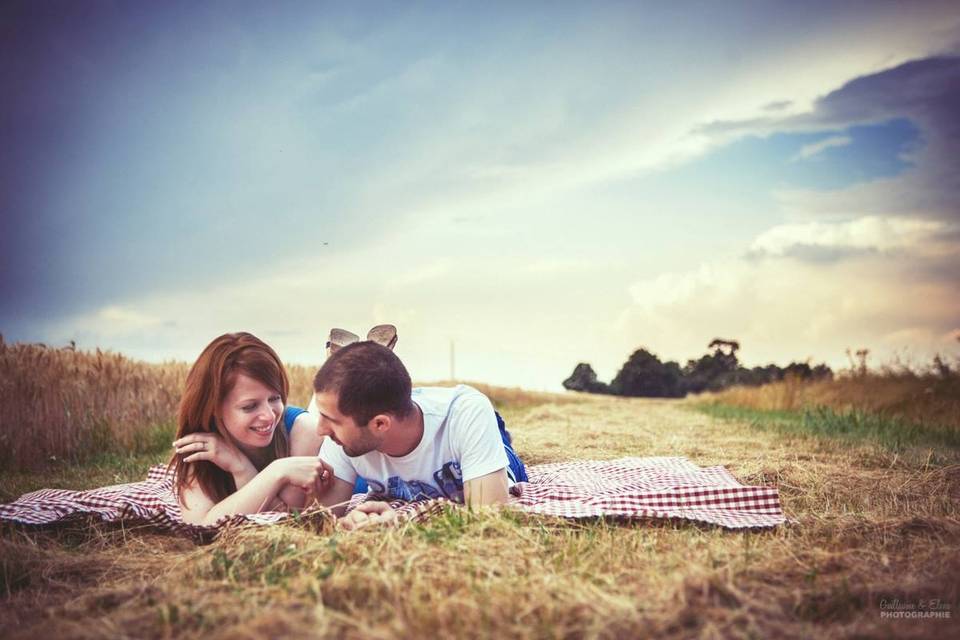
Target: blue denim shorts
x,y
516,470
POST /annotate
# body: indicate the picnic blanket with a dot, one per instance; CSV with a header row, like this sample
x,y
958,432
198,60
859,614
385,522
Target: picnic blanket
x,y
647,488
660,487
153,503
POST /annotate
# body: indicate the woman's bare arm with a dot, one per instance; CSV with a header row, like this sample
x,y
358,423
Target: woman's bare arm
x,y
303,473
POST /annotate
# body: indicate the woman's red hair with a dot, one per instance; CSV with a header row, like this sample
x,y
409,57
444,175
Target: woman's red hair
x,y
211,378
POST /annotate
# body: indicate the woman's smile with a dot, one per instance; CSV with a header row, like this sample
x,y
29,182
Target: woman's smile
x,y
265,431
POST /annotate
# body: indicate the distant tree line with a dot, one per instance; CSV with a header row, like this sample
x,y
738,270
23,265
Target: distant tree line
x,y
643,374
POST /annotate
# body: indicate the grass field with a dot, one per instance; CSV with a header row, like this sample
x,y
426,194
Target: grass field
x,y
925,400
875,520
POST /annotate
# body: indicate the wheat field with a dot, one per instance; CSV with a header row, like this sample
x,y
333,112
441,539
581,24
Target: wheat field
x,y
67,405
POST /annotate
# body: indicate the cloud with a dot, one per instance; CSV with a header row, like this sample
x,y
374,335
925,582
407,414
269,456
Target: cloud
x,y
708,282
783,310
131,328
925,91
810,150
813,288
870,265
122,319
777,105
550,151
825,242
513,320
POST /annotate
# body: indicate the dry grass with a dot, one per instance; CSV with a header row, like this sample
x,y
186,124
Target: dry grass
x,y
922,399
870,525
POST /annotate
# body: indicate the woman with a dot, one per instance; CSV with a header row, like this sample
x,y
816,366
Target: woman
x,y
231,454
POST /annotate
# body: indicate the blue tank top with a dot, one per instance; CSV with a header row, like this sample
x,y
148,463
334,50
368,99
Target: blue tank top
x,y
290,414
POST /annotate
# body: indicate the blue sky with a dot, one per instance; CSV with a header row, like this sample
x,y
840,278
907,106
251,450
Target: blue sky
x,y
539,185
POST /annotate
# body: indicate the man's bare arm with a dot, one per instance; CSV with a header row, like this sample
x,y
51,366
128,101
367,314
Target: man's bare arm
x,y
485,490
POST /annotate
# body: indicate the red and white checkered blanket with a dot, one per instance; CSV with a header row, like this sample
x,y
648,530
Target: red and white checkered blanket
x,y
628,488
152,502
647,488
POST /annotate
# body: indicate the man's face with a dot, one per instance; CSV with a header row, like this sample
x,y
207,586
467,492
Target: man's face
x,y
356,440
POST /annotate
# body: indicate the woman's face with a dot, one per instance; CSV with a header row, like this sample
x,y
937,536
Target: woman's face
x,y
251,412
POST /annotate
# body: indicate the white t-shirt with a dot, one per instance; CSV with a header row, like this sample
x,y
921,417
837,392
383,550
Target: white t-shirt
x,y
461,441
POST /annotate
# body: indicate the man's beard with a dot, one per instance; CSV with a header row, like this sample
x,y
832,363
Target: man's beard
x,y
360,448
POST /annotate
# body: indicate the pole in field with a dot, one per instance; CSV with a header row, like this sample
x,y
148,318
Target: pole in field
x,y
453,375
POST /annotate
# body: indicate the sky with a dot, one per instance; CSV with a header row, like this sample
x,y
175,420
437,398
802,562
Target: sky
x,y
527,185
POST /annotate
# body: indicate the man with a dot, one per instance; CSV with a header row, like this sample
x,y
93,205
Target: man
x,y
408,444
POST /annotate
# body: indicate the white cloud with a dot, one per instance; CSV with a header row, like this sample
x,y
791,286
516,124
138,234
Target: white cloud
x,y
870,233
709,281
121,319
784,309
808,151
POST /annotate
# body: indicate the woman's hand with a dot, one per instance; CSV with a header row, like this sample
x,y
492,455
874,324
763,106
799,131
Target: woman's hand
x,y
216,449
309,473
296,497
368,514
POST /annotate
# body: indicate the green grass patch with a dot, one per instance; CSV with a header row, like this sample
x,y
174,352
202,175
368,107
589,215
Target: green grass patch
x,y
853,427
103,470
155,439
448,527
111,465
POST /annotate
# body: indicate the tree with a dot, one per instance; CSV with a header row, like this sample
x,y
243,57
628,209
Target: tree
x,y
584,378
720,343
713,371
644,375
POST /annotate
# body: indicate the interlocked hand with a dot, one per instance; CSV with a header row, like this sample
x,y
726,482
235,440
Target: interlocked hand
x,y
369,514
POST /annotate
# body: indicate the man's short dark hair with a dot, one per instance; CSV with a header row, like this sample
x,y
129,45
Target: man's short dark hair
x,y
369,379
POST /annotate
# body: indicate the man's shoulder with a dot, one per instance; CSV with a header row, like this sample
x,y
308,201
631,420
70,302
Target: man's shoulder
x,y
440,399
446,392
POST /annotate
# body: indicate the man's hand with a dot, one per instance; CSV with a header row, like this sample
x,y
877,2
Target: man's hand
x,y
308,473
309,495
369,514
212,447
298,497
